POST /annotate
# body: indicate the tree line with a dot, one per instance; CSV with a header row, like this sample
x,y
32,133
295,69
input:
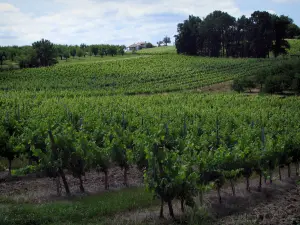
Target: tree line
x,y
45,53
220,34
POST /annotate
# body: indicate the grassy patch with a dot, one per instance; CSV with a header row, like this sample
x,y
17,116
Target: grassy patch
x,y
93,59
90,209
158,50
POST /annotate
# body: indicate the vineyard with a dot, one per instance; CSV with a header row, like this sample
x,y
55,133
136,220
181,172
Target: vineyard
x,y
97,126
185,141
153,74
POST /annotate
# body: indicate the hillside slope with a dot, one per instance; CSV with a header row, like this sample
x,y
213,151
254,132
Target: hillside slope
x,y
152,74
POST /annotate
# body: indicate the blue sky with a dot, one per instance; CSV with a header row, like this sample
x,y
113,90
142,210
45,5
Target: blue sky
x,y
115,21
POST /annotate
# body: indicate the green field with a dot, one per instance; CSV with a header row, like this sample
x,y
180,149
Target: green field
x,y
95,59
88,210
153,74
163,50
295,46
98,109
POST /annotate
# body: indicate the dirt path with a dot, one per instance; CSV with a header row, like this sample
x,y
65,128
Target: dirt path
x,y
218,87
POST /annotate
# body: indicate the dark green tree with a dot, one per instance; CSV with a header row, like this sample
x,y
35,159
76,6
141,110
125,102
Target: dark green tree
x,y
188,38
2,56
166,40
80,53
293,31
149,45
280,26
73,52
45,52
95,50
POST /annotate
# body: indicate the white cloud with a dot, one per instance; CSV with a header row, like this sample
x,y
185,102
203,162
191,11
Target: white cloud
x,y
271,11
286,1
5,7
104,21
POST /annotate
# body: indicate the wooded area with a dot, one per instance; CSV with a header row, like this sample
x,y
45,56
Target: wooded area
x,y
220,34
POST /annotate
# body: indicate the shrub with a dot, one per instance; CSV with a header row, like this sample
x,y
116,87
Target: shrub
x,y
273,84
149,45
238,85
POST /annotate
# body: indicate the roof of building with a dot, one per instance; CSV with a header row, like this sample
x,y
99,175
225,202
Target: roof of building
x,y
133,46
137,44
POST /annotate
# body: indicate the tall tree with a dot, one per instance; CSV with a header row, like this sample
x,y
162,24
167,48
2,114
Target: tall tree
x,y
80,53
166,40
83,46
261,34
45,52
2,56
95,50
280,26
159,43
220,34
292,31
73,52
188,37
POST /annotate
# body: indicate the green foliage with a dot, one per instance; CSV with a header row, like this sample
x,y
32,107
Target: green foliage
x,y
220,34
166,40
45,52
295,47
90,209
293,31
242,84
187,150
282,77
25,170
163,50
73,52
149,45
151,74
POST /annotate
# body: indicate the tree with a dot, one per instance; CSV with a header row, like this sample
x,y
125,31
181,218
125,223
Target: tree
x,y
188,39
30,59
80,53
45,52
66,55
261,36
61,49
121,51
149,45
293,31
281,25
166,40
159,43
9,134
12,54
112,50
83,46
2,57
95,50
73,52
220,34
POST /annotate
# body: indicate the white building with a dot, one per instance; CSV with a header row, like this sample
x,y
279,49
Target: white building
x,y
137,46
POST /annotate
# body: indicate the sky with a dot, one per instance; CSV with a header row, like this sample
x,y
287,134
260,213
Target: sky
x,y
114,21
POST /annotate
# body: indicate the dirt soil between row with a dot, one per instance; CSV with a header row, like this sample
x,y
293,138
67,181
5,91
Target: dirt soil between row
x,y
277,203
39,190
